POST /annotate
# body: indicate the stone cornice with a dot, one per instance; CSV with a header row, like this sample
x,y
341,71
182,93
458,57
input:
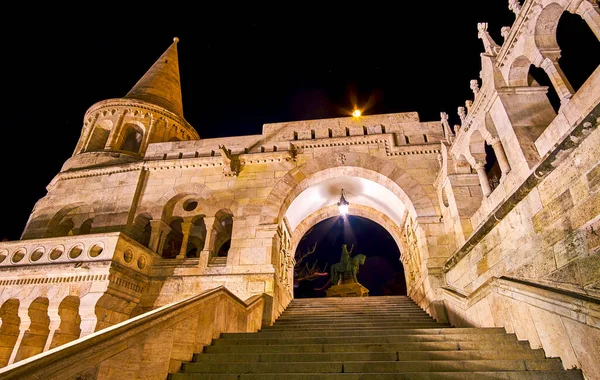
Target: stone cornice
x,y
386,138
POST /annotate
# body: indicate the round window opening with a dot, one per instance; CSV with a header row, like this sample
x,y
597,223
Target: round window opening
x,y
190,205
96,250
3,255
128,255
18,256
56,252
37,254
141,263
75,252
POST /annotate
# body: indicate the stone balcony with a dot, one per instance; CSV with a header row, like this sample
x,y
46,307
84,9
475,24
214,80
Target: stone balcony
x,y
45,260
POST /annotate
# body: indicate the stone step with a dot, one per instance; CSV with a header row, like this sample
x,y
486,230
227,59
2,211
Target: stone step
x,y
345,326
372,347
371,356
337,320
353,313
502,375
551,364
387,338
355,309
354,332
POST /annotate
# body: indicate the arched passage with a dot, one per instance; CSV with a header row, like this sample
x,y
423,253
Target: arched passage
x,y
70,321
9,329
382,273
395,179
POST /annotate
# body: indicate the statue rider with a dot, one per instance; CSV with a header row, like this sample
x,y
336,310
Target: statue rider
x,y
345,262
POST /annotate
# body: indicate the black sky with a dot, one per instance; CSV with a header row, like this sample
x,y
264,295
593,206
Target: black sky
x,y
240,68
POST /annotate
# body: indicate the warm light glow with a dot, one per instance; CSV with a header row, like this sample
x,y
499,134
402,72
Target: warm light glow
x,y
343,205
343,210
356,113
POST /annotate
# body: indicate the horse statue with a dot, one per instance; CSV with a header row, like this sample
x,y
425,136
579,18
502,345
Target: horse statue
x,y
348,271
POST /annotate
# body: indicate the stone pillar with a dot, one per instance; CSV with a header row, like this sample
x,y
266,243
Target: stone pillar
x,y
500,156
23,327
483,178
186,228
114,133
54,323
559,81
87,312
208,242
158,233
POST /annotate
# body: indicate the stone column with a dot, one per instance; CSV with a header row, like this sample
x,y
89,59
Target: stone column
x,y
208,242
158,233
186,228
87,311
483,178
559,80
23,327
500,156
54,324
114,133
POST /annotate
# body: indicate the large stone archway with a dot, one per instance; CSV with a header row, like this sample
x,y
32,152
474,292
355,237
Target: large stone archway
x,y
415,196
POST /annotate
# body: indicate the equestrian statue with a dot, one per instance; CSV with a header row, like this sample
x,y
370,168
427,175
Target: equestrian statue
x,y
343,275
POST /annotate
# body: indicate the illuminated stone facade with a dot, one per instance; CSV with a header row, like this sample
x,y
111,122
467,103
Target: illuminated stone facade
x,y
146,212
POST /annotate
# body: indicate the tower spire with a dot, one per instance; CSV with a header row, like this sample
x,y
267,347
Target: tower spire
x,y
161,84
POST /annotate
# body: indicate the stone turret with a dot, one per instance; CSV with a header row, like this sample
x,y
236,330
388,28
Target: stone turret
x,y
120,130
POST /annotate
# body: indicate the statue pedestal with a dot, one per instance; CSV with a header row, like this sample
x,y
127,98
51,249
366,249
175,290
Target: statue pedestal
x,y
352,289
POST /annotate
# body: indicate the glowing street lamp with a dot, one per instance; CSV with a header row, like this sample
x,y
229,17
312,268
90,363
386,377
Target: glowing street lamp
x,y
356,113
343,205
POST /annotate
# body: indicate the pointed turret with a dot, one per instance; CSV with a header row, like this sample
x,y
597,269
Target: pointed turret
x,y
161,84
120,130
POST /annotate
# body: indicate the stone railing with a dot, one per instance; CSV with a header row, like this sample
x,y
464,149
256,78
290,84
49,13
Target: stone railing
x,y
561,322
77,250
149,346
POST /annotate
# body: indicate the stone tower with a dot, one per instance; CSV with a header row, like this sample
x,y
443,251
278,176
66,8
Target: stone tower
x,y
120,130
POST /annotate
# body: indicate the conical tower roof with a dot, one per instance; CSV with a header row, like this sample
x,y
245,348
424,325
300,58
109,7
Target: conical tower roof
x,y
161,84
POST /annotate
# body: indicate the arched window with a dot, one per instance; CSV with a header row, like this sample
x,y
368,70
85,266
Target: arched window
x,y
538,77
99,136
132,138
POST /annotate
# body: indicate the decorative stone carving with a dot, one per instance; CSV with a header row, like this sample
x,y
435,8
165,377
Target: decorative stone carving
x,y
231,163
446,127
504,32
474,84
515,6
491,47
462,114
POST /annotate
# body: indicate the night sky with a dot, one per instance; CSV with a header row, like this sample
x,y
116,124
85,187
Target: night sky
x,y
240,68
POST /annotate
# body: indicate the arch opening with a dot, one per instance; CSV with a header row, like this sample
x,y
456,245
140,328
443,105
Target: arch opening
x,y
9,329
576,41
132,138
35,337
382,272
70,321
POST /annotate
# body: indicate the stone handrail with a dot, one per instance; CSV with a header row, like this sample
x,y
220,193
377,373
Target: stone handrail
x,y
149,346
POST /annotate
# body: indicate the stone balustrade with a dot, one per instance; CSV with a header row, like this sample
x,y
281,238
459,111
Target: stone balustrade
x,y
149,346
76,250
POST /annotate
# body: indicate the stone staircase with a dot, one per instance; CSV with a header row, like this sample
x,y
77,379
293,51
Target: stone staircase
x,y
369,338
